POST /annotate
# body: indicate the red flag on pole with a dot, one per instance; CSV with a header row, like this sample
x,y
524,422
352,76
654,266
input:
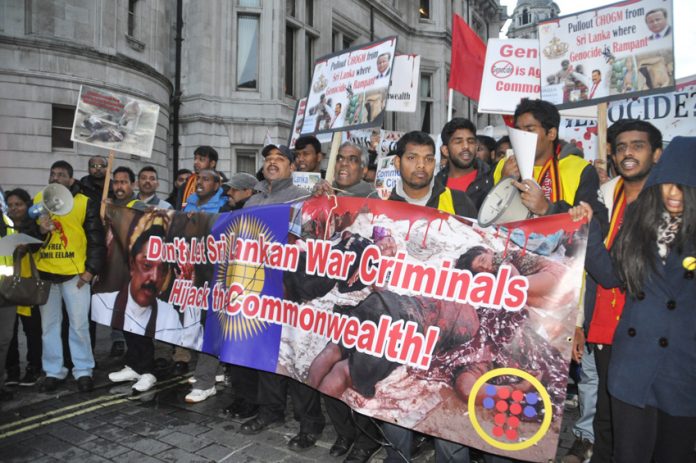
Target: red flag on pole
x,y
468,58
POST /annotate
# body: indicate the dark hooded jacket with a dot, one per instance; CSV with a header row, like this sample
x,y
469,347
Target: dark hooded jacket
x,y
479,188
653,360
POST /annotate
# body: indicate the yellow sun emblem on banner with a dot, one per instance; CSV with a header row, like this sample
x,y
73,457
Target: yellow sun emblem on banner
x,y
250,276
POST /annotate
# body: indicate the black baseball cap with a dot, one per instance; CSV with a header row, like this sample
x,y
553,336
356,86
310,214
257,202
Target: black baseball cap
x,y
284,150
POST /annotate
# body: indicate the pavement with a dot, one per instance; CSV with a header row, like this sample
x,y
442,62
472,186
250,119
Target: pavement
x,y
112,424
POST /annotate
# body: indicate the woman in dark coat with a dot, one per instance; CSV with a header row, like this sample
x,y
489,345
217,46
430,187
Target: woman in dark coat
x,y
652,373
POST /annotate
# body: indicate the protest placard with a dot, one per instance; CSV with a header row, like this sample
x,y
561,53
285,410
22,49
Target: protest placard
x,y
115,121
616,51
306,180
674,113
403,92
349,88
389,293
298,121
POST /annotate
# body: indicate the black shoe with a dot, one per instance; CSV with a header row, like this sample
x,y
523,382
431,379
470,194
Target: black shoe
x,y
12,377
180,368
258,424
358,455
49,384
240,409
340,446
302,441
85,384
118,348
31,376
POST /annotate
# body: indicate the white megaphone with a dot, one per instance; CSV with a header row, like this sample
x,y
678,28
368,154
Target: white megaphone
x,y
55,199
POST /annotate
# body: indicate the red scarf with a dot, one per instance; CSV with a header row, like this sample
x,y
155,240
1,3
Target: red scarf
x,y
550,180
609,302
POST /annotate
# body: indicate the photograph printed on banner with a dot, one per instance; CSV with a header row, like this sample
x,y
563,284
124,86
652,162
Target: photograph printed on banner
x,y
617,51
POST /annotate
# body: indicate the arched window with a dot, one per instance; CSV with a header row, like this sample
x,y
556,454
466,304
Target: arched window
x,y
525,16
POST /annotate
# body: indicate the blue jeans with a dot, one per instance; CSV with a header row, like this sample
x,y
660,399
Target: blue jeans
x,y
77,306
587,393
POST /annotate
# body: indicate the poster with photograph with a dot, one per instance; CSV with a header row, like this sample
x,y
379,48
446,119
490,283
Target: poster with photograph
x,y
403,92
298,121
511,73
623,50
405,313
115,121
349,89
386,177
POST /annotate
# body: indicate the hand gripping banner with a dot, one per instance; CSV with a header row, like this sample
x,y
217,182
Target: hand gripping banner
x,y
405,313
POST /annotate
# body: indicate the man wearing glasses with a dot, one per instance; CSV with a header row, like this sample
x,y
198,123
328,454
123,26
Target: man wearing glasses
x,y
92,185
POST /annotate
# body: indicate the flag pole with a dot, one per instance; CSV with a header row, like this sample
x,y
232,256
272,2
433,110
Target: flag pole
x,y
449,104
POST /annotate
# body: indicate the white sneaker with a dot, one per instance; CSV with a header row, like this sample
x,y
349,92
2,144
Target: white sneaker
x,y
145,382
127,374
218,379
199,395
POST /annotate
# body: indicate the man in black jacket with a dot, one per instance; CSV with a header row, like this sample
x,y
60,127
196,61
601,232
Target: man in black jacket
x,y
464,171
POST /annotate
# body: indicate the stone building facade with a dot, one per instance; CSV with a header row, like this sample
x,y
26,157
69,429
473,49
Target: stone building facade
x,y
243,65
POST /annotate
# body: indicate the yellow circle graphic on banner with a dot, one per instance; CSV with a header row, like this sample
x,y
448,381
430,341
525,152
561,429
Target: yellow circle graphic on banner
x,y
545,423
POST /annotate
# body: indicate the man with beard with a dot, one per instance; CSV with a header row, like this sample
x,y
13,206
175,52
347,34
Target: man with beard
x,y
208,196
308,155
124,193
464,170
147,188
93,184
204,157
415,161
636,147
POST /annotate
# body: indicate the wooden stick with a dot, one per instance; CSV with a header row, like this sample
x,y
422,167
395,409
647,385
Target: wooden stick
x,y
107,183
602,134
331,167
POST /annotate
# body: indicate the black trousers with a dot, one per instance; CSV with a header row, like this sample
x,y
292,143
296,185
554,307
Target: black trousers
x,y
140,353
359,431
649,434
31,325
273,390
602,450
244,382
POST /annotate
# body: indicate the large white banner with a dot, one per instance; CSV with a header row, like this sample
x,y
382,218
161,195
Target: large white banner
x,y
511,73
674,113
403,93
617,51
115,121
349,89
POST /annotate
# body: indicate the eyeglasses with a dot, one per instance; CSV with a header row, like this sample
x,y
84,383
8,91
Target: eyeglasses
x,y
97,166
349,159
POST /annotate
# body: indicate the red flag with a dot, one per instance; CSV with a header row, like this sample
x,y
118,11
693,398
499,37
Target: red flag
x,y
468,58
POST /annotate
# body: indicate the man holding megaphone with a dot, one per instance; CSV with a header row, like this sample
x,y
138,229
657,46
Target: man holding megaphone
x,y
73,252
